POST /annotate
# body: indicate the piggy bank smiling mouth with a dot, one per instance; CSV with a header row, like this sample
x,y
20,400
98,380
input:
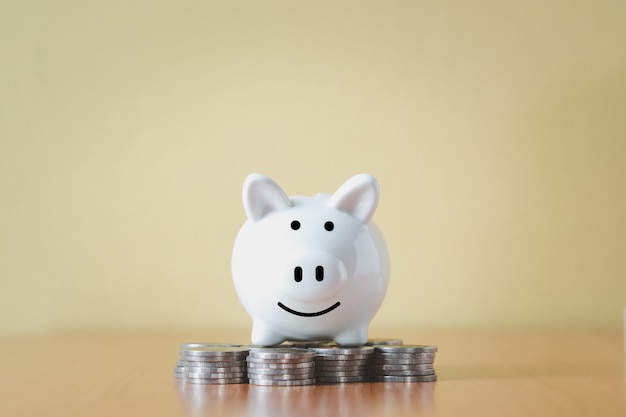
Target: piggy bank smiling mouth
x,y
315,314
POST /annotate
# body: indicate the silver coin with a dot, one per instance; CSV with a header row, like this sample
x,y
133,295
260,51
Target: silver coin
x,y
405,379
290,371
252,359
403,355
341,368
402,367
184,346
207,382
216,365
341,379
416,355
407,349
208,350
280,377
306,344
179,375
217,381
265,374
216,358
320,357
281,353
395,361
291,365
233,364
290,383
378,342
192,345
341,365
181,362
210,375
343,350
403,373
217,372
184,354
216,378
331,360
322,374
225,351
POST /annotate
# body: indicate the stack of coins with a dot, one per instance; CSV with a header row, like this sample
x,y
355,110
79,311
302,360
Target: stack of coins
x,y
403,363
212,364
341,364
281,366
179,369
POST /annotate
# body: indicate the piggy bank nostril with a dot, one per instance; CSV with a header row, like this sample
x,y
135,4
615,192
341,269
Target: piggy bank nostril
x,y
319,273
297,274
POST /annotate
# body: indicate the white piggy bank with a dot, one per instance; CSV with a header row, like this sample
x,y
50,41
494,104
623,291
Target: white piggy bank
x,y
309,268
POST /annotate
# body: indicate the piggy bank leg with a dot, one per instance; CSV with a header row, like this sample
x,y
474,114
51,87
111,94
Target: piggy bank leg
x,y
352,336
264,335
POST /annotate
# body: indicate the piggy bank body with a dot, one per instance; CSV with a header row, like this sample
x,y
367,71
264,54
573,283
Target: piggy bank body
x,y
309,268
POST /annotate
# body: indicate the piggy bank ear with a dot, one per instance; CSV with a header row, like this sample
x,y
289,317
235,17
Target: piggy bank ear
x,y
261,196
358,196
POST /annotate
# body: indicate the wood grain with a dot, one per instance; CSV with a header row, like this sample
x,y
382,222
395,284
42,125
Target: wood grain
x,y
483,373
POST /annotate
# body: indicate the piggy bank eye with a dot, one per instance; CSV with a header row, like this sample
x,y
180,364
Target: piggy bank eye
x,y
329,226
295,225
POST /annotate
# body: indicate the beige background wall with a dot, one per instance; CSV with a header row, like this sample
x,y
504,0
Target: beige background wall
x,y
497,131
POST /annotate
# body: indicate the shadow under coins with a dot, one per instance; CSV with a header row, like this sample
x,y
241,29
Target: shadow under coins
x,y
355,399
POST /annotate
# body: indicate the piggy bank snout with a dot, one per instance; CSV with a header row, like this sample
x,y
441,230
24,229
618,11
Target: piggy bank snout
x,y
312,275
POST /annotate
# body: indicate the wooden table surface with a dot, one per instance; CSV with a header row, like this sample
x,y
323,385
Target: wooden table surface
x,y
481,373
